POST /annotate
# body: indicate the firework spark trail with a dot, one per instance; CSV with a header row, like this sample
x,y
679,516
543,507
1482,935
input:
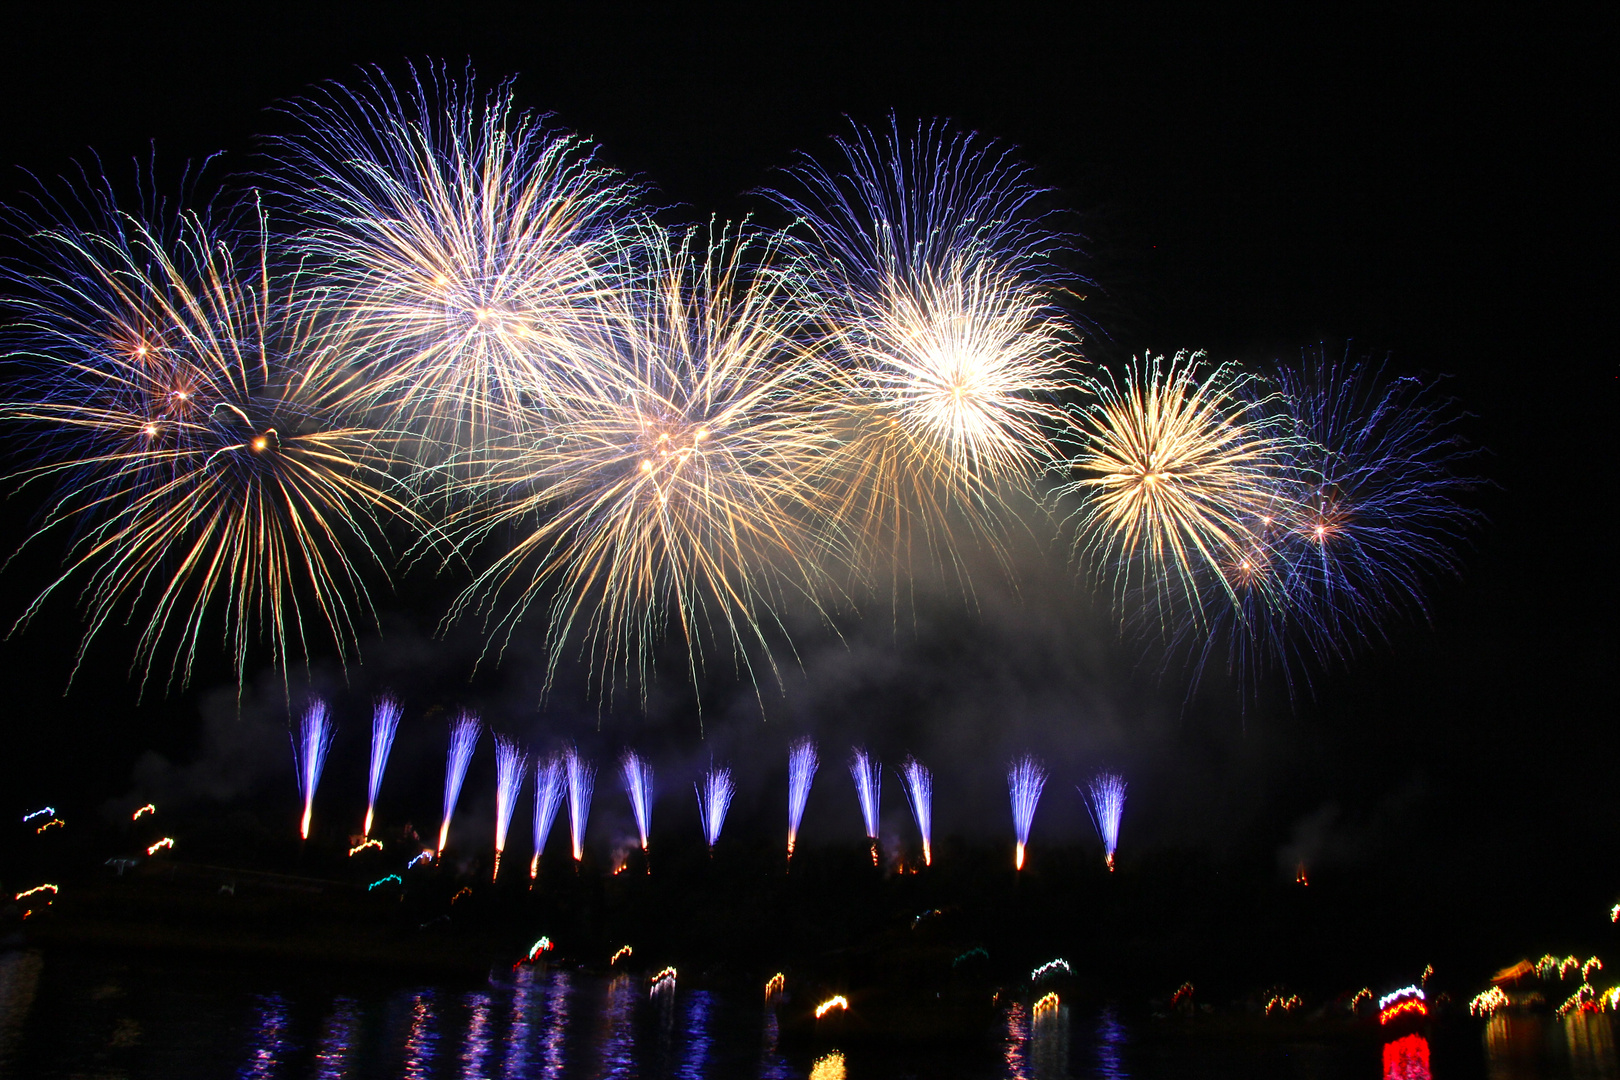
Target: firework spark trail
x,y
384,724
638,784
511,763
1025,780
1367,511
1173,465
919,788
473,249
868,775
714,799
676,501
932,275
203,433
1105,801
802,765
549,785
464,732
310,745
581,776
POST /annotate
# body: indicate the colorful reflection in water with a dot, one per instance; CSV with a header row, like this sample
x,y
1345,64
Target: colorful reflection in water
x,y
92,1016
420,1039
339,1037
1407,1058
1528,1046
475,1050
270,1045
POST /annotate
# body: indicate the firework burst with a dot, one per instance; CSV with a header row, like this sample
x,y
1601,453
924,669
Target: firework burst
x,y
310,745
802,765
919,787
464,732
510,765
867,772
1025,781
678,495
942,353
202,433
550,782
1172,468
1105,800
384,725
1368,512
472,247
638,784
714,799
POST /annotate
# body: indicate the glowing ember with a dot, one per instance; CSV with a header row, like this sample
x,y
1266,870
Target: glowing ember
x,y
1048,968
838,1001
1280,1003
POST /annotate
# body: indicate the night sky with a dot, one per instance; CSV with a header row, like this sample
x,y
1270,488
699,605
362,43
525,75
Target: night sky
x,y
1426,187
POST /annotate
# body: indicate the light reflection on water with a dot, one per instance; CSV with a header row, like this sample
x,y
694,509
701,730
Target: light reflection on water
x,y
88,1016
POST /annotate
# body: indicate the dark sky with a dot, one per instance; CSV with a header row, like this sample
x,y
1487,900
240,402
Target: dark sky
x,y
1430,188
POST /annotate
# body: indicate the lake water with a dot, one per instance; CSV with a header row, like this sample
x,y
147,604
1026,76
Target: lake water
x,y
81,1015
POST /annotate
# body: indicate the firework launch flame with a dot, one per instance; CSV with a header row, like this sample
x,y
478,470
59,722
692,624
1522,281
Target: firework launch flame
x,y
1105,800
464,733
867,773
802,765
714,796
550,782
581,777
384,724
1025,781
919,787
311,741
638,784
511,764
